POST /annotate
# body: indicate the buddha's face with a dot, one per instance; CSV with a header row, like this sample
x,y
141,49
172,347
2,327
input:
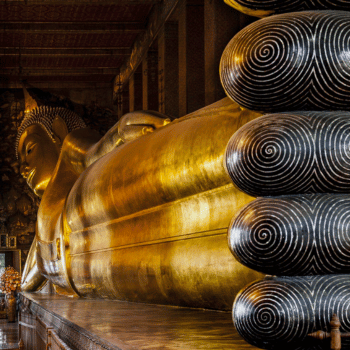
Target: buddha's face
x,y
38,155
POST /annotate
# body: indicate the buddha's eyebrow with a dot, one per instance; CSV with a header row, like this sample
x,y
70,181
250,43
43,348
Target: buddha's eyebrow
x,y
25,144
30,137
33,133
30,143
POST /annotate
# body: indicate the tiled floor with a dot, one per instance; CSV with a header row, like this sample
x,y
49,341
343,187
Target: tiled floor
x,y
8,335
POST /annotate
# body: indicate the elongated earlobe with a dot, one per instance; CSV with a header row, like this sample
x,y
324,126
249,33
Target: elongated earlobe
x,y
59,129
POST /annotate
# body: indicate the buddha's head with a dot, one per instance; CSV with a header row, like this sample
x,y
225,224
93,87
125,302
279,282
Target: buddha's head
x,y
39,141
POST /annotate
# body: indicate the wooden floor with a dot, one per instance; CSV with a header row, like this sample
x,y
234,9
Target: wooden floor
x,y
126,326
8,335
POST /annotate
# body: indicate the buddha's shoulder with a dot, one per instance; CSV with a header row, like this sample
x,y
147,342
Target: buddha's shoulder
x,y
81,138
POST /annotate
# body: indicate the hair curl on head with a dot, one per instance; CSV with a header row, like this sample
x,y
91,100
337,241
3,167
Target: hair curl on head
x,y
45,116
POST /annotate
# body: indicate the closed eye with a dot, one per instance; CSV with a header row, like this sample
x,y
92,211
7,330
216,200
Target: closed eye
x,y
30,148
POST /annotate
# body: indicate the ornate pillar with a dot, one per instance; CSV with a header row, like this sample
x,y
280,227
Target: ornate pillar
x,y
168,48
150,80
135,90
145,84
221,24
191,57
131,94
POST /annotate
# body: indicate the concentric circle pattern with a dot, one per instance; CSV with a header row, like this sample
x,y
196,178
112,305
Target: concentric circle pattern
x,y
264,8
295,61
278,313
295,235
301,152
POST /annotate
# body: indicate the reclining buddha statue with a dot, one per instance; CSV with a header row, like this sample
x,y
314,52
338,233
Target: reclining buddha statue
x,y
140,214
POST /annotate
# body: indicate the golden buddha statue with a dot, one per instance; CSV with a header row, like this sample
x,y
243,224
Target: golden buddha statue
x,y
140,214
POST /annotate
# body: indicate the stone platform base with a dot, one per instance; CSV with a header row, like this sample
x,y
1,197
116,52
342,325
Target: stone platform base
x,y
82,324
8,335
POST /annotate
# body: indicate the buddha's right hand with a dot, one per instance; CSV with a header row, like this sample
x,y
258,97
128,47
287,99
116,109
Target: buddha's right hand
x,y
32,279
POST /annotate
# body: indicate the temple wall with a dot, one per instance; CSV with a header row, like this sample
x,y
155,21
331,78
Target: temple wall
x,y
18,204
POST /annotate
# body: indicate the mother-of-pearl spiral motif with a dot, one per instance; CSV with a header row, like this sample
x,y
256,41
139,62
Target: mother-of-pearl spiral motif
x,y
295,235
299,152
279,313
295,61
266,7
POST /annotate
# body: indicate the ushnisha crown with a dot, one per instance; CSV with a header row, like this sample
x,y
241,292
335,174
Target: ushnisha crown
x,y
45,116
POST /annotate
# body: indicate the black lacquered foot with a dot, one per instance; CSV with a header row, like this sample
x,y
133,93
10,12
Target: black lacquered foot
x,y
290,153
279,313
295,235
294,61
264,8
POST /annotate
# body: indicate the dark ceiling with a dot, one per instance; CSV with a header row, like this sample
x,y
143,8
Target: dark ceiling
x,y
63,42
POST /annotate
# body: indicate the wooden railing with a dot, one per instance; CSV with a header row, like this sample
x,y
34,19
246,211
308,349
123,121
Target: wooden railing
x,y
334,335
35,334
